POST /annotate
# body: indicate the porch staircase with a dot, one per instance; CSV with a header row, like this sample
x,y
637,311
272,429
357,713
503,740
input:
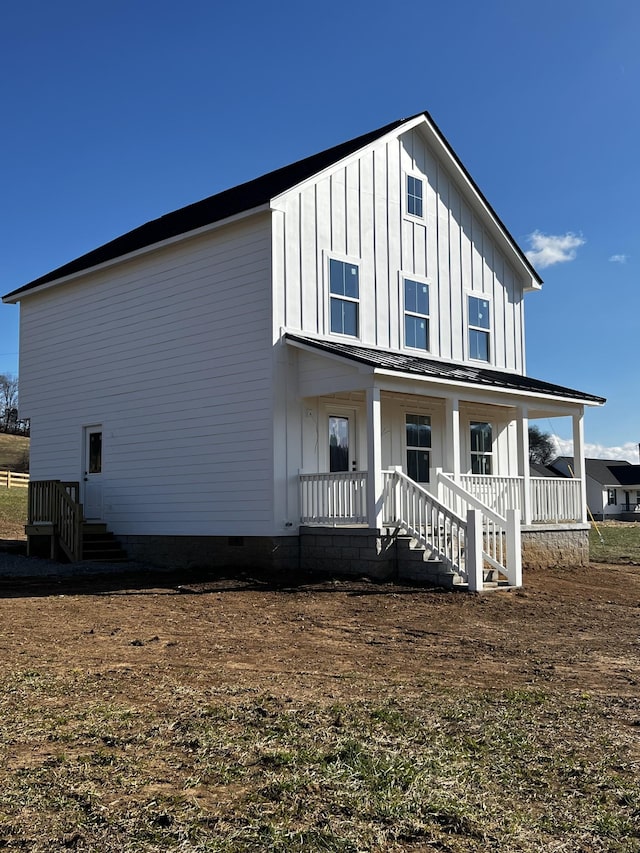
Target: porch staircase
x,y
416,563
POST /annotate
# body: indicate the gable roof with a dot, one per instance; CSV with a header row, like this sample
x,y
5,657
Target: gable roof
x,y
245,197
437,369
607,472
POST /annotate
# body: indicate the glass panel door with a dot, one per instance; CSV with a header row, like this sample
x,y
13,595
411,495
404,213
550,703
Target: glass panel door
x,y
338,443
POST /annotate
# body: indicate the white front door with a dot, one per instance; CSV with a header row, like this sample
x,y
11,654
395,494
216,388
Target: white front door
x,y
92,479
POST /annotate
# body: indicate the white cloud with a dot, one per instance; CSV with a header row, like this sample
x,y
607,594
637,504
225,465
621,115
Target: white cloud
x,y
549,249
618,259
627,451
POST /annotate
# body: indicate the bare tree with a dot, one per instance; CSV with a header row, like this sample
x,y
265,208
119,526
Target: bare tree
x,y
542,449
8,396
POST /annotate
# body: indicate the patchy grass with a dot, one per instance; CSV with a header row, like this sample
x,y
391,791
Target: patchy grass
x,y
13,513
620,542
207,770
14,452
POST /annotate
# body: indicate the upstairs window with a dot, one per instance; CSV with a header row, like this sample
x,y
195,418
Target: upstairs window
x,y
479,329
344,289
418,437
481,447
416,314
414,196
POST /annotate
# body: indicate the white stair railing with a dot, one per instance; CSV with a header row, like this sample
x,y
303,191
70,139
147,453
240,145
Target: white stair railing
x,y
435,527
500,537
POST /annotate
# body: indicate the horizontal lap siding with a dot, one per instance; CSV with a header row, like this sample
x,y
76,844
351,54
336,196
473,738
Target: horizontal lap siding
x,y
357,211
171,354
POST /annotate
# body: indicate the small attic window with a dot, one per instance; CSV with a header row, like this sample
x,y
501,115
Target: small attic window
x,y
414,196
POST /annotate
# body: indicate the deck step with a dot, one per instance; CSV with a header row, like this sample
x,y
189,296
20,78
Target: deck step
x,y
100,545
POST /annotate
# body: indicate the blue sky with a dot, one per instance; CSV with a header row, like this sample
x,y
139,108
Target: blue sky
x,y
115,113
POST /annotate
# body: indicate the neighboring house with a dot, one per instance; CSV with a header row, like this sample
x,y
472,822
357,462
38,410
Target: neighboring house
x,y
613,487
300,370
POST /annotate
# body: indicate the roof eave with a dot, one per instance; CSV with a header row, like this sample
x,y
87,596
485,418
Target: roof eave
x,y
16,295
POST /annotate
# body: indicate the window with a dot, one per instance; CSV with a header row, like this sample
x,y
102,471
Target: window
x,y
416,314
612,498
418,432
344,288
95,453
414,196
479,328
481,447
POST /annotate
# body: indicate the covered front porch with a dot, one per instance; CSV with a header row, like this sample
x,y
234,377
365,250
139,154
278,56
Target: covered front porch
x,y
443,459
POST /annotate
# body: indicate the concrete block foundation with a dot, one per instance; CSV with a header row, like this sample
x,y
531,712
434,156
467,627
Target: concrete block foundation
x,y
550,546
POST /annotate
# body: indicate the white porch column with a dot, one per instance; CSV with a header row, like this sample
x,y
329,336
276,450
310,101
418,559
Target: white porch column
x,y
452,437
523,462
578,460
374,458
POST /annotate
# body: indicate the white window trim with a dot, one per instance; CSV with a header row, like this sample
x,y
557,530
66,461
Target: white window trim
x,y
430,316
405,196
356,262
468,327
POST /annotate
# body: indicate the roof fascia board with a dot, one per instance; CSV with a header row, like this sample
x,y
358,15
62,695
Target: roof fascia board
x,y
528,395
350,158
444,149
15,296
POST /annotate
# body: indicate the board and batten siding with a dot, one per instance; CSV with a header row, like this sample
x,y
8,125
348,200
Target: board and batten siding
x,y
168,352
357,212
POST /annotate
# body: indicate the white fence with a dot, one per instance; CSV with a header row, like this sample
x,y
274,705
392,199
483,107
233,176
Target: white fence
x,y
11,480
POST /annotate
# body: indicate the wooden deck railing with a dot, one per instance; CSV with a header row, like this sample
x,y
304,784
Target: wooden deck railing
x,y
57,503
11,480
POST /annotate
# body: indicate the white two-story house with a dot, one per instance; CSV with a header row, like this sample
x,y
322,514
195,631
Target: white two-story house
x,y
323,368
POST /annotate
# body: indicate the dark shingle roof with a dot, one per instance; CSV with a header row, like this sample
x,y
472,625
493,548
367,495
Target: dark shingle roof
x,y
242,198
426,367
607,472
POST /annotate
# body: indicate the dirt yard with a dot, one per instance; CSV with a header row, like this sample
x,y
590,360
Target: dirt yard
x,y
567,629
147,714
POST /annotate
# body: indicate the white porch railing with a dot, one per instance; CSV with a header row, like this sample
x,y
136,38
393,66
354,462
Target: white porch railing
x,y
338,498
554,500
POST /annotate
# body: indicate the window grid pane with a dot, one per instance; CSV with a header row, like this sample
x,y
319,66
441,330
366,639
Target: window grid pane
x,y
344,282
481,436
416,318
414,196
479,328
418,439
344,317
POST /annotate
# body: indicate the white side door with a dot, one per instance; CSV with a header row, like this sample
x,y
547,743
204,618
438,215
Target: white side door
x,y
92,472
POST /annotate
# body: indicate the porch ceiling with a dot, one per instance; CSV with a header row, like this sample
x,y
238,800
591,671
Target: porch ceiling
x,y
536,393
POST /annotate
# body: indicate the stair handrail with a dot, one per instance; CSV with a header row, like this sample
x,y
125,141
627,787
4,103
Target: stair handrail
x,y
426,519
55,502
501,535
